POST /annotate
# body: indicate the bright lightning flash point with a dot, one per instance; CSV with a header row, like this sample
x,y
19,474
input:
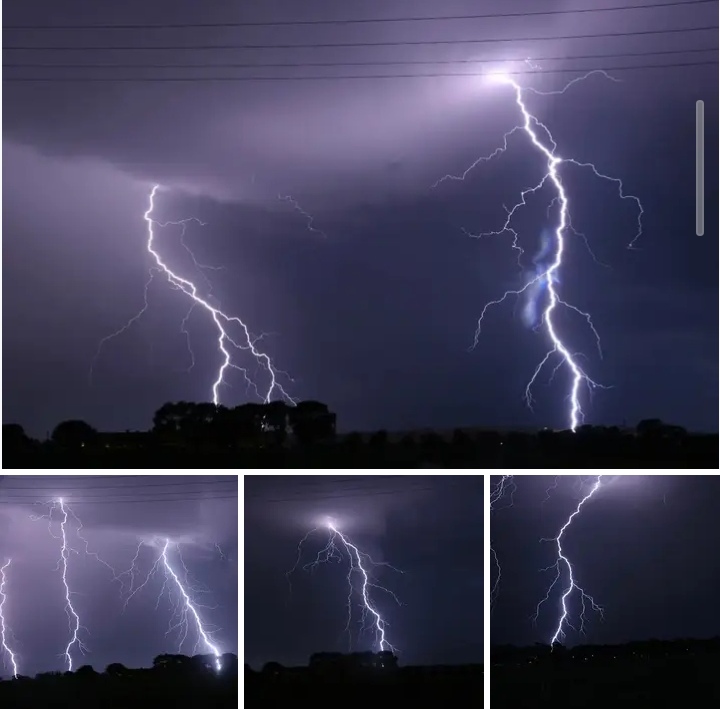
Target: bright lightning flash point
x,y
360,564
572,589
543,142
4,630
225,341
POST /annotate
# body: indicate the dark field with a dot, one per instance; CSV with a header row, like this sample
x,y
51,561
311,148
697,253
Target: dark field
x,y
637,676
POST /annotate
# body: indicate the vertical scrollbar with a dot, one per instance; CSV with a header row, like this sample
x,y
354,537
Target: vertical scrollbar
x,y
699,168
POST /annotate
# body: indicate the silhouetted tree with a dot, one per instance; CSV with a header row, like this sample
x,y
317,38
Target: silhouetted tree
x,y
312,422
276,421
116,669
14,437
73,434
272,669
86,671
647,426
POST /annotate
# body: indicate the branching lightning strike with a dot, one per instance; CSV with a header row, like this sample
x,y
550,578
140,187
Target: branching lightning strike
x,y
542,140
504,488
4,629
221,320
185,607
360,564
572,589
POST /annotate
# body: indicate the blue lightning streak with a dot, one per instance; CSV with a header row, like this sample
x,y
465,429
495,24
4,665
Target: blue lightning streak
x,y
337,547
219,318
184,608
505,487
530,126
4,630
572,589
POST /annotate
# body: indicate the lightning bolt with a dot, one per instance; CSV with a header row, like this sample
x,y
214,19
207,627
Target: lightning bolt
x,y
67,515
73,617
308,217
572,589
221,320
505,487
4,630
185,608
361,564
542,141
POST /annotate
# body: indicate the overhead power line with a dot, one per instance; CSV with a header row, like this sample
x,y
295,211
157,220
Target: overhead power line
x,y
79,501
348,77
231,481
358,21
335,45
412,62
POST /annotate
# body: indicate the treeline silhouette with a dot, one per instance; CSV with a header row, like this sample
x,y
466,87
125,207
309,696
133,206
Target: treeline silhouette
x,y
173,681
651,673
304,436
361,679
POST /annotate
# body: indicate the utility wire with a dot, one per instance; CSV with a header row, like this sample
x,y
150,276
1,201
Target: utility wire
x,y
220,79
286,65
73,501
316,45
126,487
358,21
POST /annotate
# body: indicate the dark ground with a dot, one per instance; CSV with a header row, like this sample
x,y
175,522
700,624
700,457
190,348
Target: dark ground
x,y
118,687
636,675
582,450
406,686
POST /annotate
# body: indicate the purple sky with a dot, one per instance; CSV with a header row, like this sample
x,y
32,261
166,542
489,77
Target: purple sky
x,y
376,319
645,548
428,527
117,513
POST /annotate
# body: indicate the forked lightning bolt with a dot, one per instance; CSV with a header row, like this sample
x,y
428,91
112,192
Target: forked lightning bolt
x,y
339,547
185,607
73,617
223,322
572,589
4,629
74,625
543,142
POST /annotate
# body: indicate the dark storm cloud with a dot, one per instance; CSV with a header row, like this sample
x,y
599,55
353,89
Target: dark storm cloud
x,y
115,521
644,549
392,295
428,527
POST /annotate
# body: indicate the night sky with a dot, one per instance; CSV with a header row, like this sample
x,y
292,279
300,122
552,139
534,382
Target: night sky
x,y
645,549
117,513
428,527
377,316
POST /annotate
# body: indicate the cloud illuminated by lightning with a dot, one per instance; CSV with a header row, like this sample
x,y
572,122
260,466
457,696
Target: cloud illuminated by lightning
x,y
572,589
181,593
361,565
223,322
543,142
4,629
